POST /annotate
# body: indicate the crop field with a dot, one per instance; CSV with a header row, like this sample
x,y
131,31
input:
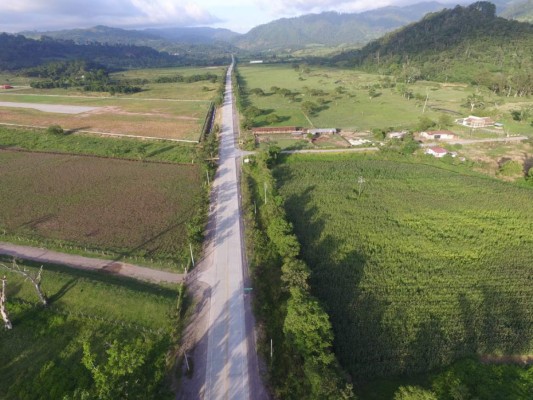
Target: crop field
x,y
139,117
124,208
344,100
45,345
419,264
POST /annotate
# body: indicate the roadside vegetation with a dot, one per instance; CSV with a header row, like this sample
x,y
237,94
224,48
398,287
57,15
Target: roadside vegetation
x,y
100,337
302,364
418,262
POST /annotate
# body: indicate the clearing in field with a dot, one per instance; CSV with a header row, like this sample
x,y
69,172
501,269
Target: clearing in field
x,y
166,119
126,208
418,264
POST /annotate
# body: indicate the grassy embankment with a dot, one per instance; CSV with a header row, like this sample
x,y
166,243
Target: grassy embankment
x,y
423,264
42,356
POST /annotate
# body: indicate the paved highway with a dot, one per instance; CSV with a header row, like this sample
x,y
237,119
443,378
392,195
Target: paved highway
x,y
228,345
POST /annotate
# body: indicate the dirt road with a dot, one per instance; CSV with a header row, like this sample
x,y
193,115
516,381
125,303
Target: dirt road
x,y
87,263
51,108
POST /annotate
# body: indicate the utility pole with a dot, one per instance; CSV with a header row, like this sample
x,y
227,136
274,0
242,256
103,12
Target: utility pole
x,y
360,181
426,102
192,256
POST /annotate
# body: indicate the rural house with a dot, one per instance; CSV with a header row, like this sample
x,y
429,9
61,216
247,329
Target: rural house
x,y
324,131
436,135
6,87
436,152
276,129
475,122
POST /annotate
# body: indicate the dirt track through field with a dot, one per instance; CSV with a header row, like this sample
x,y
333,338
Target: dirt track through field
x,y
51,108
87,263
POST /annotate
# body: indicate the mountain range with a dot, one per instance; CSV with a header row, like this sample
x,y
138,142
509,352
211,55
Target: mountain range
x,y
324,29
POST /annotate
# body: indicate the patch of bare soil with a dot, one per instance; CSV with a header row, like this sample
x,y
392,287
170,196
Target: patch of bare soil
x,y
119,111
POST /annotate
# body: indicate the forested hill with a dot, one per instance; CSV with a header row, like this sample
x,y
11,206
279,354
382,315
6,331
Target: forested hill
x,y
332,28
164,39
468,44
519,10
18,52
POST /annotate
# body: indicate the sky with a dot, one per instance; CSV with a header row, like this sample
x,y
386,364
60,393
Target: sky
x,y
237,15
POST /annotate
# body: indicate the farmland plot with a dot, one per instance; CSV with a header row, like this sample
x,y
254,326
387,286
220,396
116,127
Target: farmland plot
x,y
417,265
166,119
127,208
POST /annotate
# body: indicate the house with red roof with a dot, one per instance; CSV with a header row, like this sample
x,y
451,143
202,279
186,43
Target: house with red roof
x,y
436,151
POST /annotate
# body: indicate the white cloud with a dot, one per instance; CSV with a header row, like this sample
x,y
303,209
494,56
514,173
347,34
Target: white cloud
x,y
51,14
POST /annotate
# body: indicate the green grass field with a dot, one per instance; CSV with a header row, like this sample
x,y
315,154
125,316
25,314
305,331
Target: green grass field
x,y
123,208
42,355
351,107
39,140
423,264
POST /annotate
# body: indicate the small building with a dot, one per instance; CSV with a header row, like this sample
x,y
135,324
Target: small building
x,y
396,135
436,152
323,131
438,135
358,142
475,122
276,130
256,61
6,87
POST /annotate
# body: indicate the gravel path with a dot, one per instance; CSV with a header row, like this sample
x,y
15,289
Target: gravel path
x,y
51,108
87,263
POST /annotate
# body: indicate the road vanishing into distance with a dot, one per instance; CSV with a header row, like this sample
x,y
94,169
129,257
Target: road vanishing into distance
x,y
225,358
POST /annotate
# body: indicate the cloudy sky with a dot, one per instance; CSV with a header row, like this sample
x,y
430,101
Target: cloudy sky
x,y
238,15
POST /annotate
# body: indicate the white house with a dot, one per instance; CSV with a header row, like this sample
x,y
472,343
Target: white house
x,y
436,151
475,122
396,135
436,135
358,142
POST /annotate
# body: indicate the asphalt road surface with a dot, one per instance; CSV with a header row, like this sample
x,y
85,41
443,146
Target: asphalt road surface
x,y
227,369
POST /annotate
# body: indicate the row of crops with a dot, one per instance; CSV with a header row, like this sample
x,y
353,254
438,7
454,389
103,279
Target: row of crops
x,y
417,265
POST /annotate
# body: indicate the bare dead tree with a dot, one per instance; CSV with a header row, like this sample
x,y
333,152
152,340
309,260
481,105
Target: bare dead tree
x,y
3,311
35,279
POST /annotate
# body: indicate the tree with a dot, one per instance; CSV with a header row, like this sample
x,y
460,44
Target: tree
x,y
55,130
474,101
309,107
120,375
3,311
272,118
35,279
424,123
444,121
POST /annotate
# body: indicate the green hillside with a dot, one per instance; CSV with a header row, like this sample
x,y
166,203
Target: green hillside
x,y
332,28
519,10
466,44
